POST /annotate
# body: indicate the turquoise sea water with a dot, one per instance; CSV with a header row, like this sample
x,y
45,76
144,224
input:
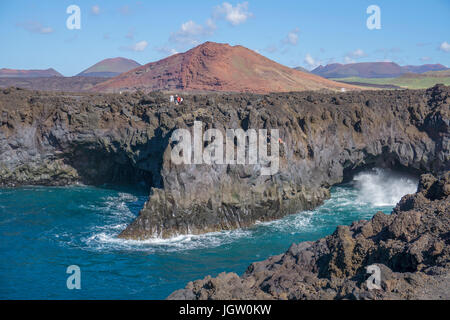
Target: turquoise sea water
x,y
44,230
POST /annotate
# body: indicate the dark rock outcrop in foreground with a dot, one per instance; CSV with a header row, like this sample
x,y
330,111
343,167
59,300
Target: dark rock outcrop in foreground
x,y
58,139
411,247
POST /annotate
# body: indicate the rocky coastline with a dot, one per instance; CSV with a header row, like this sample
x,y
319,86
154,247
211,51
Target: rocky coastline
x,y
410,248
65,138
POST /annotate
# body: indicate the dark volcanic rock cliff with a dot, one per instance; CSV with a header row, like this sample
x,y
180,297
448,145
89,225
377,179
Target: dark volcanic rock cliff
x,y
411,248
57,139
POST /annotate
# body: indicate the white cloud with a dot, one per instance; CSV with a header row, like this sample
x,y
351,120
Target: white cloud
x,y
445,46
311,62
425,59
210,25
190,28
351,57
35,27
347,59
190,32
292,37
166,51
358,53
138,47
284,45
95,10
234,15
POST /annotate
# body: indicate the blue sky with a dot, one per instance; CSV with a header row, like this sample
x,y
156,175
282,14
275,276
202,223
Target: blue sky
x,y
292,32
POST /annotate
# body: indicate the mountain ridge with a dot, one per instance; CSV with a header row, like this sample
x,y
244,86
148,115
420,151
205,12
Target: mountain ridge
x,y
218,67
109,68
372,69
32,73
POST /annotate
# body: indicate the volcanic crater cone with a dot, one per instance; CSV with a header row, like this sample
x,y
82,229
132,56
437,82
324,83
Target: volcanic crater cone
x,y
218,67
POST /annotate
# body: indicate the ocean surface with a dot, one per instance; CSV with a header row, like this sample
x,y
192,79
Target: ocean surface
x,y
43,230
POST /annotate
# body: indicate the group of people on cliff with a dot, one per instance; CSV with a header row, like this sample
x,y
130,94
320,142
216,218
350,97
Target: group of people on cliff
x,y
176,99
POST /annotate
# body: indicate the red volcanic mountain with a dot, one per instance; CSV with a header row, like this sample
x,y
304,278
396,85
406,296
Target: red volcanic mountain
x,y
13,73
109,68
218,67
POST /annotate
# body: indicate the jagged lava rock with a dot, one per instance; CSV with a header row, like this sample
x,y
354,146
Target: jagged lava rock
x,y
59,139
411,247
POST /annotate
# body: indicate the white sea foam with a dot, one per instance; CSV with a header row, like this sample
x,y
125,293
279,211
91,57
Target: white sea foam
x,y
109,241
374,188
382,187
116,208
292,223
117,215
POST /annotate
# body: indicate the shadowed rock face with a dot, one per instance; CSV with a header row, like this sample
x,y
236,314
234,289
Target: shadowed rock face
x,y
58,139
411,247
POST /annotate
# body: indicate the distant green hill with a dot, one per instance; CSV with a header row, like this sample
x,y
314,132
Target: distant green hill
x,y
407,81
442,73
372,70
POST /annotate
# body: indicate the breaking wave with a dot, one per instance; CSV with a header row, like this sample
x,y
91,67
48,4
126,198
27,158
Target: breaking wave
x,y
369,192
46,228
383,187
